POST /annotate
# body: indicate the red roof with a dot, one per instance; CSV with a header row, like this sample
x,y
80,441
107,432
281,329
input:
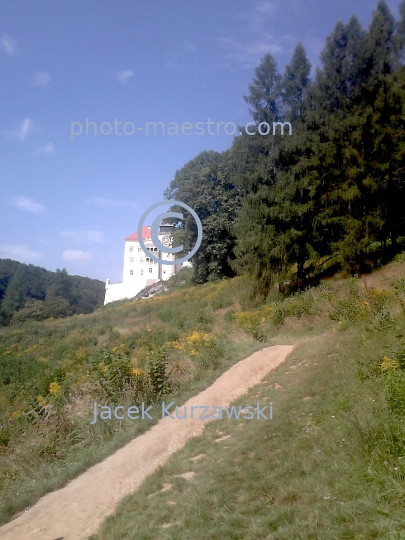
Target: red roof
x,y
134,237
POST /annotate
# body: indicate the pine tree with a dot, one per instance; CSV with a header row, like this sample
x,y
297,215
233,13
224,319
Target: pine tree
x,y
279,213
400,34
382,56
265,92
296,83
339,80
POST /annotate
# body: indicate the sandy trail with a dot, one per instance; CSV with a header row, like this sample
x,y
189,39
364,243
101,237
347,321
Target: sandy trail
x,y
77,510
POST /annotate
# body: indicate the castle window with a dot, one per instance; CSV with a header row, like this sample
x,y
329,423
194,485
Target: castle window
x,y
141,261
131,260
131,272
141,271
139,250
131,249
150,270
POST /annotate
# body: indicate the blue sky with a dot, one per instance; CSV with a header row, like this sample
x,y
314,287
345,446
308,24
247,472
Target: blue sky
x,y
69,201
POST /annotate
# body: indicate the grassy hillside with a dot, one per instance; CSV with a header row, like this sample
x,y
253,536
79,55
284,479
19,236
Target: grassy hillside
x,y
52,371
350,349
331,463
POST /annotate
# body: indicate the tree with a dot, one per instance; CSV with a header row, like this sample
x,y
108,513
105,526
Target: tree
x,y
296,83
33,311
61,286
274,227
205,184
382,54
14,299
400,34
57,307
362,192
265,92
20,283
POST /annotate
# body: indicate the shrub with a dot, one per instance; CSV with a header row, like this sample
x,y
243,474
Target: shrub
x,y
157,373
33,311
113,374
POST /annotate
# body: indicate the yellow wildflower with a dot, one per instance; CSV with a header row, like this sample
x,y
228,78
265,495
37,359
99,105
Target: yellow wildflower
x,y
102,367
54,389
389,363
41,401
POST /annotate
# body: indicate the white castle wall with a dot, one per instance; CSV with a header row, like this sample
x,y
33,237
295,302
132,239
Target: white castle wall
x,y
140,270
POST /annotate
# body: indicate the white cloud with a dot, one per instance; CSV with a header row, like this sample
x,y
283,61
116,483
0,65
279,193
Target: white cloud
x,y
102,202
247,54
253,40
76,255
179,57
8,44
27,204
20,133
90,235
47,149
265,7
257,17
18,252
42,79
124,75
25,128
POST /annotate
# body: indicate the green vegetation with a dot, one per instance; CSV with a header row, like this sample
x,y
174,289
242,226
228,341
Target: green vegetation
x,y
293,209
31,293
331,463
52,371
175,345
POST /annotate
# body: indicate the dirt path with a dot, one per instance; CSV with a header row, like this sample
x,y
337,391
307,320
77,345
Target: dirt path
x,y
77,510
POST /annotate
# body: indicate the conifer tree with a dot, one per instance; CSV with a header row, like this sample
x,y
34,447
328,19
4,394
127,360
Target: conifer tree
x,y
400,34
296,83
342,63
380,45
264,93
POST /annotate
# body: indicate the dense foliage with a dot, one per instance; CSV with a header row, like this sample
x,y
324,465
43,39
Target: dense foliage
x,y
28,292
328,197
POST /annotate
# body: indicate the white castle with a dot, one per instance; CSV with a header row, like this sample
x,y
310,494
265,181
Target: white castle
x,y
139,269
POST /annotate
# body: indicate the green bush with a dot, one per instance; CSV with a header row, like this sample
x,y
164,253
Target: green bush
x,y
33,311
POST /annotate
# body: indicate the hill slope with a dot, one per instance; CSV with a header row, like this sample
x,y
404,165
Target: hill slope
x,y
50,294
174,345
